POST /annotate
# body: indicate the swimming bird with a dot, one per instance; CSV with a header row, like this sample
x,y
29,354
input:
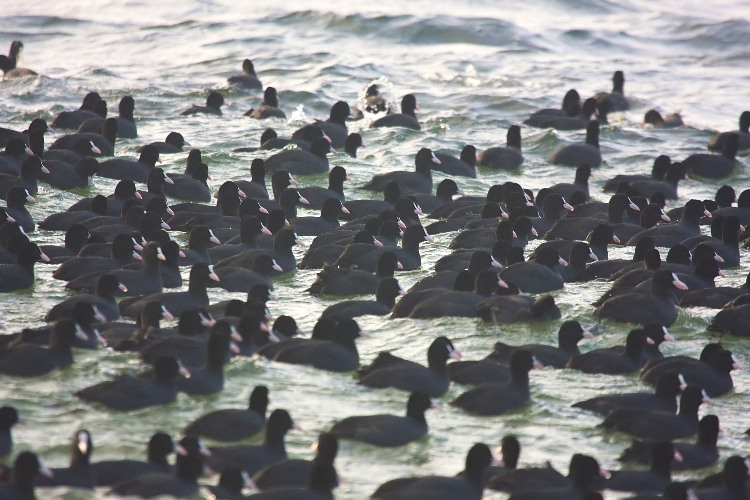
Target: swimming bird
x,y
365,256
124,168
12,156
464,165
248,79
209,378
131,392
104,141
702,453
338,353
537,276
233,424
385,297
658,425
333,280
714,375
269,108
20,275
468,486
159,447
90,108
669,386
617,95
568,336
173,143
505,158
655,306
214,102
8,418
8,64
419,181
407,118
183,483
15,208
26,468
297,472
31,360
713,166
514,307
571,106
317,195
658,170
301,162
663,455
579,121
717,142
387,370
387,430
496,398
251,458
509,477
176,302
79,474
670,234
655,119
613,362
126,127
579,153
334,128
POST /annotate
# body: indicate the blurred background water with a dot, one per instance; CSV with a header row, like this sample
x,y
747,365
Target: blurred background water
x,y
476,68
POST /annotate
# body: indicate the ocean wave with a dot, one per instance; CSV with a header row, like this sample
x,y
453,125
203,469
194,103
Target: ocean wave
x,y
418,30
730,33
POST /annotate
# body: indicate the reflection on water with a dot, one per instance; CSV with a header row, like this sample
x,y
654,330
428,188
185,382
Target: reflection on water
x,y
476,69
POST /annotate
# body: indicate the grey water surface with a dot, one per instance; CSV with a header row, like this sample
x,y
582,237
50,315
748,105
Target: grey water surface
x,y
476,68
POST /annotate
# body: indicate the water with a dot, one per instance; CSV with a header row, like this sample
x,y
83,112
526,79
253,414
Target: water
x,y
475,69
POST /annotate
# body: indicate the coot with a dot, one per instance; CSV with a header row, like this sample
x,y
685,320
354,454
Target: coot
x,y
252,458
128,392
248,79
269,108
656,306
385,429
301,162
214,102
297,472
419,181
111,472
654,480
717,142
183,483
663,398
657,425
407,118
580,153
467,487
702,453
387,370
617,95
612,362
714,166
79,474
504,158
31,360
656,120
385,297
464,166
498,398
568,336
26,467
339,354
233,424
